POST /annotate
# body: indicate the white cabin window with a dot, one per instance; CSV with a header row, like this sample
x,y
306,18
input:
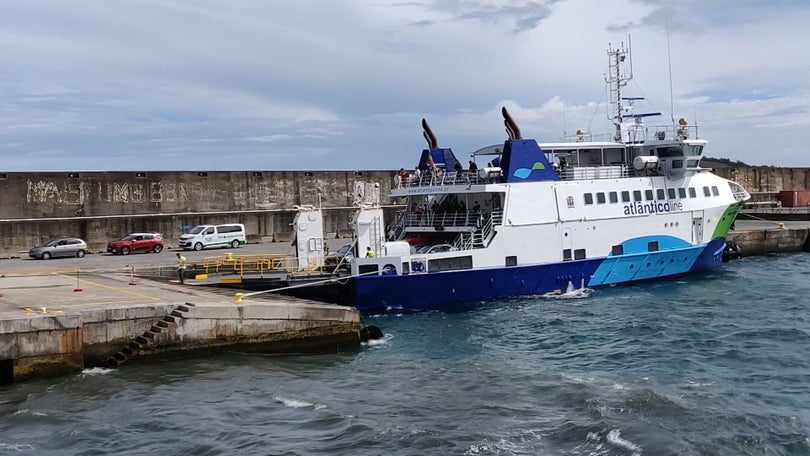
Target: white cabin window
x,y
660,194
648,195
600,198
671,193
637,195
588,198
692,192
626,196
706,191
682,193
614,197
715,191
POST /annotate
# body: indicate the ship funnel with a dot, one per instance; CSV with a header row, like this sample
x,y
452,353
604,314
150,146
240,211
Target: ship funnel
x,y
511,127
429,136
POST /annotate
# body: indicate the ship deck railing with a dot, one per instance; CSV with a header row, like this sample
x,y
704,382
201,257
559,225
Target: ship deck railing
x,y
427,179
493,176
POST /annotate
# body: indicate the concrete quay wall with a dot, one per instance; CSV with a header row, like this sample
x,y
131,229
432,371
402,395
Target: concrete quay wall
x,y
766,241
99,206
41,345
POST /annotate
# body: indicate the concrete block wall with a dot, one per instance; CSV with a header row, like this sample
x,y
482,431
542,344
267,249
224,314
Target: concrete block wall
x,y
101,206
762,242
766,179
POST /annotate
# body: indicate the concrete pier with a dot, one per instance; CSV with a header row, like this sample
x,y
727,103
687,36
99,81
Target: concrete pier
x,y
59,322
762,237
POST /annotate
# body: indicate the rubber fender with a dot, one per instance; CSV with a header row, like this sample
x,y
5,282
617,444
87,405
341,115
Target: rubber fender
x,y
368,333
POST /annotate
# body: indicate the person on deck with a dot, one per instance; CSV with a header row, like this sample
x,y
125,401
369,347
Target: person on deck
x,y
181,267
370,253
403,177
458,168
473,167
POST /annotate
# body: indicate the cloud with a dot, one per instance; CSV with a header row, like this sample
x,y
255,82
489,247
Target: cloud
x,y
344,85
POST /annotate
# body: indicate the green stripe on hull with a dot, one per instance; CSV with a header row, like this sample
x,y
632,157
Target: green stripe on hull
x,y
724,225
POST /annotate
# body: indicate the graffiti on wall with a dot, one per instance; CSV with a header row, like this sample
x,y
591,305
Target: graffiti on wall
x,y
80,193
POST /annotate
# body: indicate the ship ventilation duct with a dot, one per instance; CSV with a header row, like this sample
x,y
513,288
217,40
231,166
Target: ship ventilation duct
x,y
511,127
429,136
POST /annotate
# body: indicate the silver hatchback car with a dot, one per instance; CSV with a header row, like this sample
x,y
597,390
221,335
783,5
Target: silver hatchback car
x,y
67,247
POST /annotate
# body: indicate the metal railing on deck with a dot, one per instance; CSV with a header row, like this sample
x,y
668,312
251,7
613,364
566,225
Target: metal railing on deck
x,y
427,179
241,264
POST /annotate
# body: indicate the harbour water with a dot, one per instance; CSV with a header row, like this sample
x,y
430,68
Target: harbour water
x,y
716,365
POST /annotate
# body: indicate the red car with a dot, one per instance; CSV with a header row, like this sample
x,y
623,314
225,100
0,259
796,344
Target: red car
x,y
136,242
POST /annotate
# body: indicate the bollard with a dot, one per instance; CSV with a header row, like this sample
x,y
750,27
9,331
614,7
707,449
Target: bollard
x,y
78,288
228,256
238,297
132,275
781,226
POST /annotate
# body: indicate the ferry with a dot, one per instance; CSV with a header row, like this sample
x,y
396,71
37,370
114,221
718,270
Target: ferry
x,y
533,218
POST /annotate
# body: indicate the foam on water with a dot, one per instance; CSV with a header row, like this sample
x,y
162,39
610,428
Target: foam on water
x,y
614,437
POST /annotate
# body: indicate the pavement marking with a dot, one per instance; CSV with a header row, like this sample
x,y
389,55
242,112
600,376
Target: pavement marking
x,y
44,310
119,290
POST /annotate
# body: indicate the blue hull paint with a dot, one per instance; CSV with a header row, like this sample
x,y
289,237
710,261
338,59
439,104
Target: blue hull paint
x,y
449,289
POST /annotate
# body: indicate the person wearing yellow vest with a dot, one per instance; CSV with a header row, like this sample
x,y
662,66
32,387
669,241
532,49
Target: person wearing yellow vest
x,y
370,253
181,267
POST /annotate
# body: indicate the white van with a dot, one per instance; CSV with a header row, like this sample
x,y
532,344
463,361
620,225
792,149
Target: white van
x,y
213,236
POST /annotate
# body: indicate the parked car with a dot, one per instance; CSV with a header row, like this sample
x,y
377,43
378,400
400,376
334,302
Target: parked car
x,y
66,247
136,242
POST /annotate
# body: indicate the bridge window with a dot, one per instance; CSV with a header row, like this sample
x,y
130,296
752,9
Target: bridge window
x,y
660,193
682,193
600,197
674,151
690,149
636,195
648,195
706,191
715,191
588,198
626,196
677,163
692,192
671,193
614,197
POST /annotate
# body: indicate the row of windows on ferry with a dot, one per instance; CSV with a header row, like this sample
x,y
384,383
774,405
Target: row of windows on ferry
x,y
660,194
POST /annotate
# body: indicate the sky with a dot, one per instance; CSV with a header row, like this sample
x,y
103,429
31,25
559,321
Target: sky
x,y
154,85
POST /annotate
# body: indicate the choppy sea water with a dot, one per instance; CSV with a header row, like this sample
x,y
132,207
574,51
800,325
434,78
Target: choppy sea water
x,y
714,365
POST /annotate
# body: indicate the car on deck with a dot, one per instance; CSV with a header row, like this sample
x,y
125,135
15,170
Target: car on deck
x,y
435,248
136,242
342,257
65,247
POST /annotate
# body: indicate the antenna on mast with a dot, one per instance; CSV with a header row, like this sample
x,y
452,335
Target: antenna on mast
x,y
669,63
